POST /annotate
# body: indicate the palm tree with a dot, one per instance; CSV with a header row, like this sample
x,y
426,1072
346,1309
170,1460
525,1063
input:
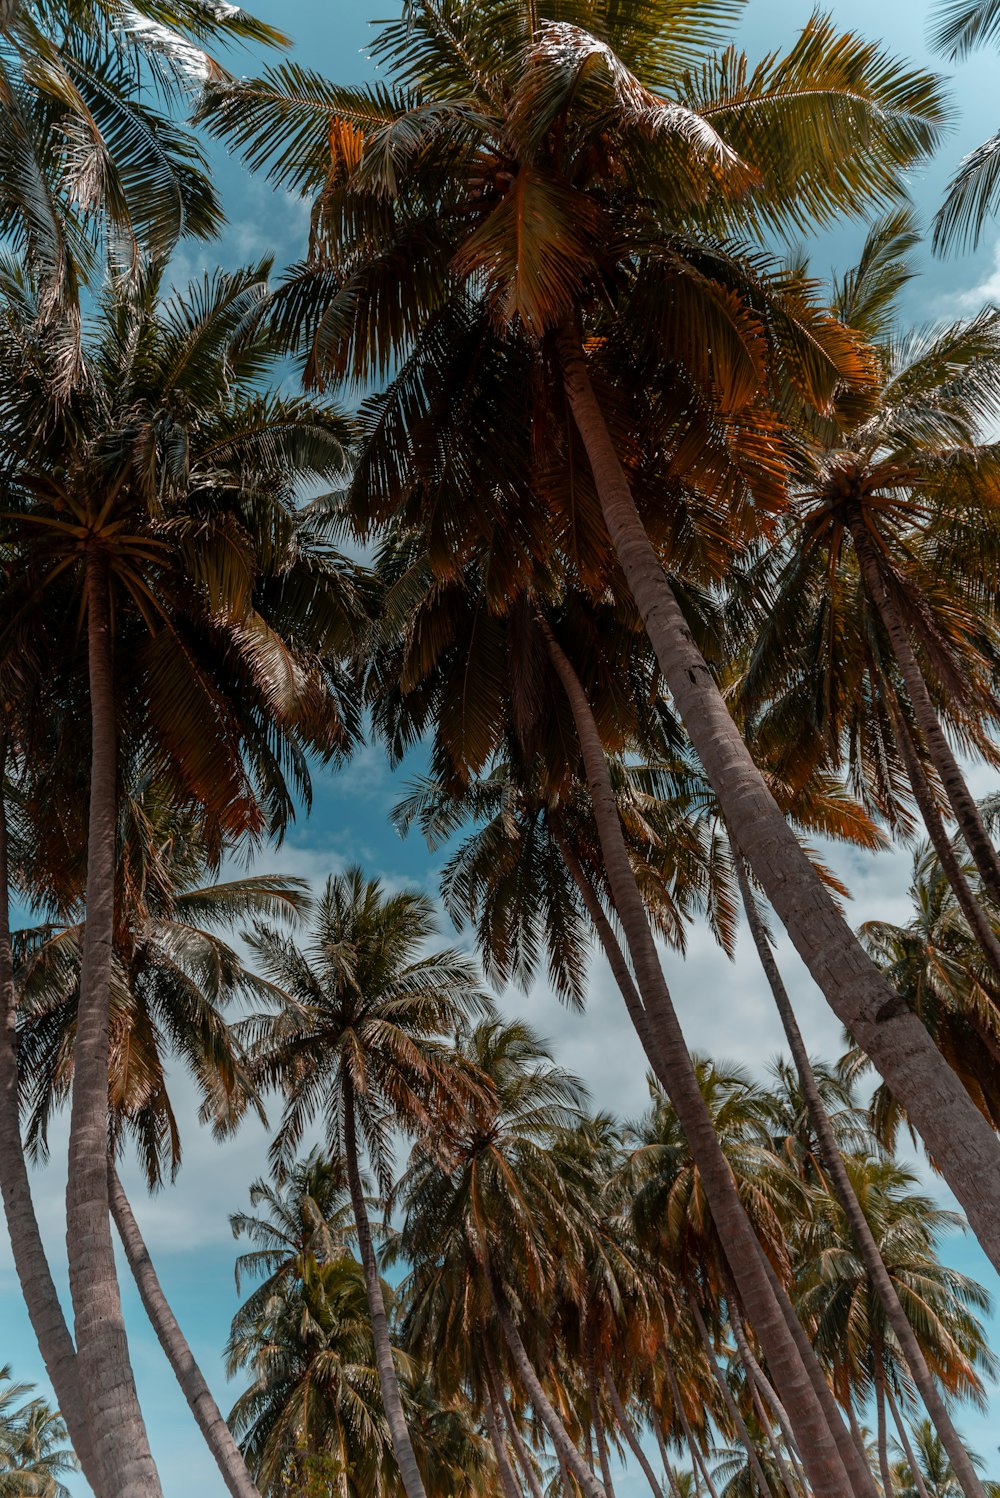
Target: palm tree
x,y
312,1410
173,978
490,1230
936,1474
847,1316
894,516
161,502
400,180
33,1453
360,1044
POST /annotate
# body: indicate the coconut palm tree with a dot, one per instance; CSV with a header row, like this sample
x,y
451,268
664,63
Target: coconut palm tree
x,y
847,1317
936,1474
34,1456
361,1045
400,179
312,1412
161,503
894,516
490,1230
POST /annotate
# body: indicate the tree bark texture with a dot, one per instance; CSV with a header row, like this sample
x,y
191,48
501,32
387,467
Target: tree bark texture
x,y
118,1432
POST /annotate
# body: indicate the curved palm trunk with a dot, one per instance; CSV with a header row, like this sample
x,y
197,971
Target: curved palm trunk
x,y
739,1424
118,1433
508,1482
697,1459
979,921
628,1431
833,1160
218,1437
960,798
765,1419
588,1483
30,1261
904,1441
672,1064
392,1401
597,1420
955,1132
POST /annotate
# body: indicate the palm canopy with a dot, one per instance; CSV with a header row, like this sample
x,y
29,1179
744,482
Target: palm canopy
x,y
470,205
90,145
34,1452
173,465
367,1013
896,497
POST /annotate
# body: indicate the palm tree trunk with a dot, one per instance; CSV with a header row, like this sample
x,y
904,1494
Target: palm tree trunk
x,y
883,1448
668,1471
597,1419
859,1470
520,1448
697,1460
766,1391
218,1437
672,1064
856,1431
118,1433
508,1482
392,1401
30,1260
628,1431
979,921
547,1414
961,799
904,1441
739,1424
833,1161
956,1134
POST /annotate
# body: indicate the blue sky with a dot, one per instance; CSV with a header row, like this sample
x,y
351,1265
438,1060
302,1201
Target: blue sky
x,y
724,1006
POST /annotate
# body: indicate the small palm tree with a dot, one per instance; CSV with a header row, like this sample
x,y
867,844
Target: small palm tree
x,y
936,1476
360,1046
34,1456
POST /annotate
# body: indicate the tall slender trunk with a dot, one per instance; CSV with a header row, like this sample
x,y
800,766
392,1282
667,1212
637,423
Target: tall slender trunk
x,y
508,1482
960,798
597,1419
392,1401
833,1161
856,1431
218,1437
956,1134
30,1261
859,1470
758,1378
521,1451
546,1412
905,1442
668,1471
883,1447
118,1433
739,1424
977,917
697,1459
672,1064
628,1431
